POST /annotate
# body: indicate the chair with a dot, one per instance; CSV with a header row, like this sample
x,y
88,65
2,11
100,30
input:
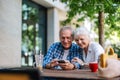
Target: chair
x,y
20,74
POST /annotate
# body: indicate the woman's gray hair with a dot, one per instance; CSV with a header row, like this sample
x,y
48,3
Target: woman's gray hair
x,y
82,31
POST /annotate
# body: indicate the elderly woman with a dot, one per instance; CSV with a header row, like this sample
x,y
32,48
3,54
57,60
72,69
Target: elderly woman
x,y
91,50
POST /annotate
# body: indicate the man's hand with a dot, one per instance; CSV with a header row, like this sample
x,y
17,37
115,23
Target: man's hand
x,y
66,66
52,64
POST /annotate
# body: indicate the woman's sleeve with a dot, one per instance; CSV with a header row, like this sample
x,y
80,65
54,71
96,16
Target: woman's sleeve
x,y
98,50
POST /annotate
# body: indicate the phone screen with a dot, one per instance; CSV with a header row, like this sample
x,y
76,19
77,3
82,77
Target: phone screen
x,y
61,61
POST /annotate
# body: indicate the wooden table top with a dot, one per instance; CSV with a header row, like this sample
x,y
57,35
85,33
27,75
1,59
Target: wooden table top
x,y
72,74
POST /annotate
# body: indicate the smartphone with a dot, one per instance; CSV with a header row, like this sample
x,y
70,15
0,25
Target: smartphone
x,y
61,61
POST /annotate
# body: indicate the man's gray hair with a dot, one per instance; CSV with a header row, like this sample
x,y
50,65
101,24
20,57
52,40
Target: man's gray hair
x,y
66,28
82,31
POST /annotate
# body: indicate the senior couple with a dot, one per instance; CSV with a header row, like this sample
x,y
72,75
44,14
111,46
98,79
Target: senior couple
x,y
75,55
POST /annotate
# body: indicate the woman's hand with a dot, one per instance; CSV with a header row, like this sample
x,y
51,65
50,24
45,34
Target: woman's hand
x,y
76,59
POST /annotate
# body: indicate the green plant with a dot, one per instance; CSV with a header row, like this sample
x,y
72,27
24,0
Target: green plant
x,y
116,48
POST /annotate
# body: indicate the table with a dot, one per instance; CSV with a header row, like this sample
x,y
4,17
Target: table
x,y
36,74
82,74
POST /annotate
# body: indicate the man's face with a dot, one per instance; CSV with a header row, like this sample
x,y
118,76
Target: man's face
x,y
66,38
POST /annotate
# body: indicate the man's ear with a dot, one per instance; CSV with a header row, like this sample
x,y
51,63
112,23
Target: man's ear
x,y
59,38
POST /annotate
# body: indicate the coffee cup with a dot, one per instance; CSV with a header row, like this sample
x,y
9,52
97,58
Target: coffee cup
x,y
93,66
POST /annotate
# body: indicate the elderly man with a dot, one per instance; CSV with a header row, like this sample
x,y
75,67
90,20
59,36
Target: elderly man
x,y
65,50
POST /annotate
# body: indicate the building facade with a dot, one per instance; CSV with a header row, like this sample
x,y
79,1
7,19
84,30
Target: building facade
x,y
13,25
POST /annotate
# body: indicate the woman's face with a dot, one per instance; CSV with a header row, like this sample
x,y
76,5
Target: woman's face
x,y
82,40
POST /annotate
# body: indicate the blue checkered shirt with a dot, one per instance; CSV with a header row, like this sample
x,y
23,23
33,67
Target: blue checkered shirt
x,y
56,51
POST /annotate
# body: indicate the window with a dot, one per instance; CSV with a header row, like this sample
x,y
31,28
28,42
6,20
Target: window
x,y
33,31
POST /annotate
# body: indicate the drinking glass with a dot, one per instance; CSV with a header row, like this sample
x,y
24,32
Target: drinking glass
x,y
39,61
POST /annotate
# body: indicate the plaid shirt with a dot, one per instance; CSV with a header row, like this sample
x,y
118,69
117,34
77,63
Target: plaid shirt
x,y
56,51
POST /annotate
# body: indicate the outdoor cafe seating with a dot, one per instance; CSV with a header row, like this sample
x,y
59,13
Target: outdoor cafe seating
x,y
34,73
